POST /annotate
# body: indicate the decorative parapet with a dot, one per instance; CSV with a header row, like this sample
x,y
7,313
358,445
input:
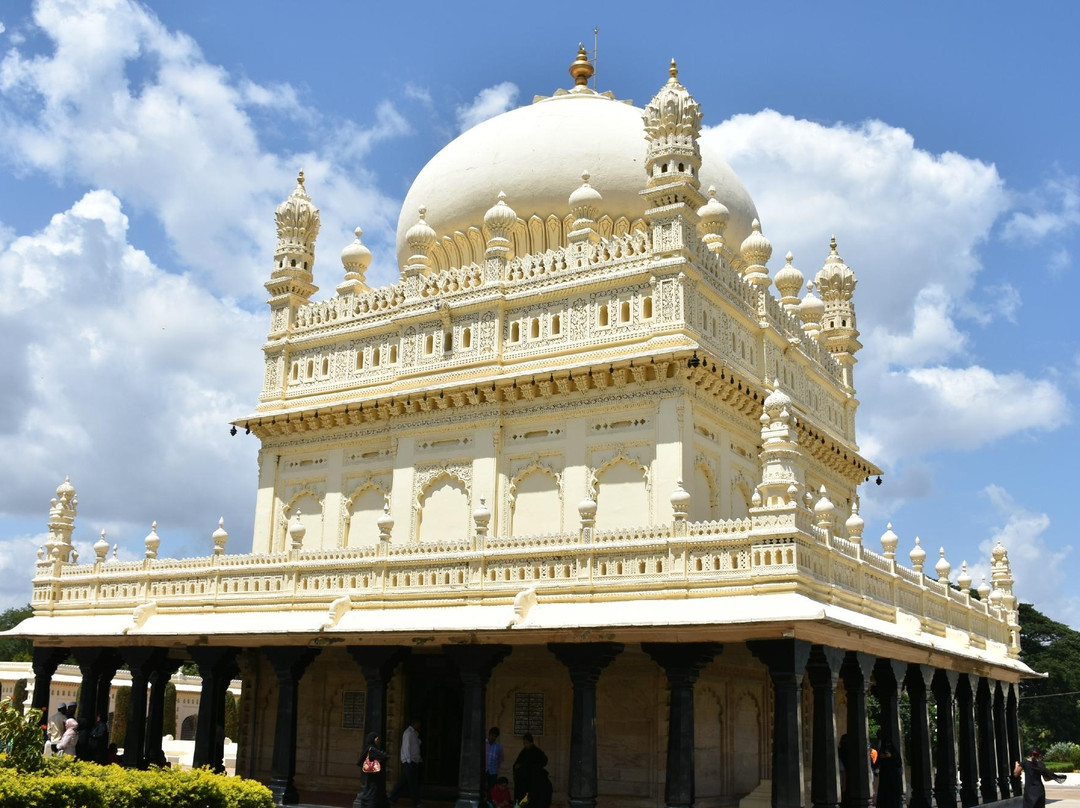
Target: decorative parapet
x,y
709,558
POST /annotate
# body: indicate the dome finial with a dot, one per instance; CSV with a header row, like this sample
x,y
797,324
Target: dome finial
x,y
300,177
673,71
582,69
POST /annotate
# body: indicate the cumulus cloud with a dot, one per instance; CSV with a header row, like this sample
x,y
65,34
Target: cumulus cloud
x,y
121,102
489,102
911,224
1055,210
1038,569
124,376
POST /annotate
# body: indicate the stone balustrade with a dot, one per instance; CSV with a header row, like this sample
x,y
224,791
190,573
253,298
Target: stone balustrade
x,y
674,560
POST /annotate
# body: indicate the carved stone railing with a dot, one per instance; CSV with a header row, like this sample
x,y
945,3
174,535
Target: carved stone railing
x,y
705,558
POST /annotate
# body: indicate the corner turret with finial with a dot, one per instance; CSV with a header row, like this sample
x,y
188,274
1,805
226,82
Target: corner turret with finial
x,y
672,127
836,285
355,259
290,285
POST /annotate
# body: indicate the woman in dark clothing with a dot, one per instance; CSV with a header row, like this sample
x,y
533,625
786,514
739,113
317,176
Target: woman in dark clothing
x,y
540,790
530,760
373,784
890,778
1034,774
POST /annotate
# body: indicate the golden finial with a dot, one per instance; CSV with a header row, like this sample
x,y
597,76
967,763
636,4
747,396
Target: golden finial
x,y
673,71
832,243
300,177
581,69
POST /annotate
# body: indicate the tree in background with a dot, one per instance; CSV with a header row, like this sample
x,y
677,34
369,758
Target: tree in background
x,y
168,723
120,715
13,649
1049,708
232,722
18,694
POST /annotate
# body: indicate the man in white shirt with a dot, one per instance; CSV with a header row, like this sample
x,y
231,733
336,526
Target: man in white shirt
x,y
410,763
55,729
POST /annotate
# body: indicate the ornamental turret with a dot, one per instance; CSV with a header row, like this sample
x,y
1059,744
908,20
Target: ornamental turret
x,y
355,259
713,218
62,522
836,284
672,127
585,204
290,285
782,460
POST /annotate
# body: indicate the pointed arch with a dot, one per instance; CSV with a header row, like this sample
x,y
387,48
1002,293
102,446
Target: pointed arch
x,y
362,508
442,507
312,505
742,491
621,489
536,494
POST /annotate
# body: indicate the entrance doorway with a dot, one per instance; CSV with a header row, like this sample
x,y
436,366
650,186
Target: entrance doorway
x,y
433,694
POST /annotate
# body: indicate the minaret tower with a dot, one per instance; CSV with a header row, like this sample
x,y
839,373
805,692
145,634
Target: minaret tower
x,y
290,285
836,284
672,164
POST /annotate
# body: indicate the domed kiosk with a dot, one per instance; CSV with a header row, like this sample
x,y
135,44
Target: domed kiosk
x,y
577,473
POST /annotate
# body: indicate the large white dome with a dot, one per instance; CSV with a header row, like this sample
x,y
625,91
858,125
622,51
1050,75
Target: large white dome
x,y
536,155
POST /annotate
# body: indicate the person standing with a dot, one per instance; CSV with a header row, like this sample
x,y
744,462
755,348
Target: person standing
x,y
56,729
373,779
530,761
1035,772
493,757
410,763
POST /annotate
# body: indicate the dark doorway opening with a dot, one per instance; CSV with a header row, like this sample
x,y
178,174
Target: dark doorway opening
x,y
433,694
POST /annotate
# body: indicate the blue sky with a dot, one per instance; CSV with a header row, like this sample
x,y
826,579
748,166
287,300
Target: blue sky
x,y
143,150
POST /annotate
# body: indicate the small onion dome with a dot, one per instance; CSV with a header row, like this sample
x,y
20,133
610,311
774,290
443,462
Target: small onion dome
x,y
297,531
385,523
421,237
714,211
823,508
996,596
917,555
855,524
587,508
500,216
356,257
65,490
481,516
756,249
220,536
889,540
680,499
943,566
789,282
999,552
811,309
963,580
585,196
755,500
983,590
776,404
101,547
152,541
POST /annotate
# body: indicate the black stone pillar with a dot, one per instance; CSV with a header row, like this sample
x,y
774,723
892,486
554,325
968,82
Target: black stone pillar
x,y
855,671
585,661
984,711
944,688
920,770
217,667
98,666
682,662
1001,741
967,750
474,664
824,671
377,662
46,661
786,661
1012,729
141,662
289,664
888,684
155,713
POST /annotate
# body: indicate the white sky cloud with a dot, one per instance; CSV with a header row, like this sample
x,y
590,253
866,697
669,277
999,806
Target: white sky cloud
x,y
488,103
1055,209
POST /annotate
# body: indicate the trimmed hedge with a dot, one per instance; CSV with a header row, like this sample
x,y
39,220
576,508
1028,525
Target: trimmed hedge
x,y
65,782
1057,767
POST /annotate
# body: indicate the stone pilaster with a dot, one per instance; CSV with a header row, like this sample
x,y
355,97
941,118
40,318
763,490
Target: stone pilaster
x,y
217,667
920,770
474,664
855,672
155,713
1001,740
786,661
944,689
984,711
1012,730
289,664
682,662
585,661
967,750
824,672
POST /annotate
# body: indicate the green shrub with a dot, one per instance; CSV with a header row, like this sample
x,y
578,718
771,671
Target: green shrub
x,y
20,737
232,724
18,694
168,723
1059,767
1063,752
64,782
121,708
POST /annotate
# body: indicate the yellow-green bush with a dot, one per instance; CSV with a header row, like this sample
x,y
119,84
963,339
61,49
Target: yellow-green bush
x,y
67,783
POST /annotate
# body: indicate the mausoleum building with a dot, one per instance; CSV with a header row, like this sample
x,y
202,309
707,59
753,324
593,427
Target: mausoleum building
x,y
588,470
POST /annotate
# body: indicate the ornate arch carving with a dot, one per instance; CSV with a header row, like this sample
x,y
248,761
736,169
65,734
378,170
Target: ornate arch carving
x,y
620,456
345,521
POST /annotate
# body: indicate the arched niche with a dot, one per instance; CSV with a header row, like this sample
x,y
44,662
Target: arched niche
x,y
364,508
443,510
622,495
703,495
311,517
739,503
536,502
